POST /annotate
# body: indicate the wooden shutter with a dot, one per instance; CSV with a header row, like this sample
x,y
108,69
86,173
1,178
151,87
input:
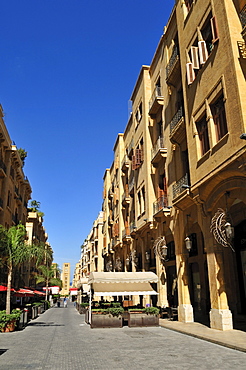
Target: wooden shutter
x,y
190,73
194,57
214,28
133,162
203,53
138,153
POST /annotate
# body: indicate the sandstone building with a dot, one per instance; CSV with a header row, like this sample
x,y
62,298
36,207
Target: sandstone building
x,y
174,197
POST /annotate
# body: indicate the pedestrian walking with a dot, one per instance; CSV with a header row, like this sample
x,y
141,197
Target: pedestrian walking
x,y
65,302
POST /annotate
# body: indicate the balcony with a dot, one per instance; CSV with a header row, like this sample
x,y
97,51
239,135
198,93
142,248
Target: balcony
x,y
131,185
158,152
125,164
3,169
242,16
126,196
177,127
133,227
156,101
130,148
181,193
180,186
110,193
160,207
173,68
126,234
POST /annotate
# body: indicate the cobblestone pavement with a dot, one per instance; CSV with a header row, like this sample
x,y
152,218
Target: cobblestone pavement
x,y
60,339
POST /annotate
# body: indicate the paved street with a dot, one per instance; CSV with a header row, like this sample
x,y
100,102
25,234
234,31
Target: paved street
x,y
60,339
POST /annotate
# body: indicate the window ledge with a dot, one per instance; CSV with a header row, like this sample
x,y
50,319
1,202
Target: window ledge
x,y
204,158
220,143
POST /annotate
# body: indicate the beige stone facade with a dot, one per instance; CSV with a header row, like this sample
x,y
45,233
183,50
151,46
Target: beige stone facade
x,y
178,176
65,277
15,190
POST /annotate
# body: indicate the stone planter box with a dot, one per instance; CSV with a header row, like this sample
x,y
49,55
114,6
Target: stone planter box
x,y
136,319
105,321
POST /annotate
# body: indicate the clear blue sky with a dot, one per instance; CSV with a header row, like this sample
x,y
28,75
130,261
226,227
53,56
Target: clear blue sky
x,y
67,71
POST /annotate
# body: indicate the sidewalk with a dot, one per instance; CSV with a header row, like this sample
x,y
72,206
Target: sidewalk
x,y
234,339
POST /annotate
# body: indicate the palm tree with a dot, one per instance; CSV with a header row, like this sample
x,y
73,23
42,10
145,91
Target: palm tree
x,y
47,277
14,251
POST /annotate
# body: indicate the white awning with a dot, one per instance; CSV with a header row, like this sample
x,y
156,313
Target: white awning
x,y
122,283
122,289
119,277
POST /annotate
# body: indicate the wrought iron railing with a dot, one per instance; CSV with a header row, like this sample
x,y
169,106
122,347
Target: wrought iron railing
x,y
176,118
125,161
126,232
3,166
158,145
159,204
180,185
130,147
156,93
132,226
172,61
242,16
131,183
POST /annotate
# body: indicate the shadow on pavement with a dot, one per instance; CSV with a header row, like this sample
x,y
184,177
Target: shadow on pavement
x,y
40,323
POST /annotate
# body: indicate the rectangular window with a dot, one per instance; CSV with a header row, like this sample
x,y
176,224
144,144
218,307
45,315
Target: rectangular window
x,y
202,129
139,112
219,117
188,4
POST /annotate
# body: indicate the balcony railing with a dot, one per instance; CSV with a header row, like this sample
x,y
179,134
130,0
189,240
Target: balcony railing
x,y
3,166
131,184
158,148
159,204
172,61
132,226
155,97
175,120
130,147
126,233
125,163
242,16
180,185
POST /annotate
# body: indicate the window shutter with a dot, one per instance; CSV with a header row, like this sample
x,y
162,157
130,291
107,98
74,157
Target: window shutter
x,y
194,57
133,162
138,154
214,28
203,53
190,73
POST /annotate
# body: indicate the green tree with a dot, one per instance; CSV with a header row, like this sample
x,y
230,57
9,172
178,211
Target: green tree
x,y
14,251
34,207
47,277
23,155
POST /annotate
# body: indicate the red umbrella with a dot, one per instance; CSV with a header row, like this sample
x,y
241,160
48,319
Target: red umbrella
x,y
3,288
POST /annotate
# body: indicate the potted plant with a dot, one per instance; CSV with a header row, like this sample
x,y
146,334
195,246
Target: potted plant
x,y
110,317
8,322
148,316
83,307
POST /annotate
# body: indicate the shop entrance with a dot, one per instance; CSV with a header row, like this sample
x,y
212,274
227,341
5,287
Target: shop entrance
x,y
240,249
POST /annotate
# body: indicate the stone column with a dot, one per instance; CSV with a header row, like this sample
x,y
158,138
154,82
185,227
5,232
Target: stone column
x,y
185,309
162,283
220,315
